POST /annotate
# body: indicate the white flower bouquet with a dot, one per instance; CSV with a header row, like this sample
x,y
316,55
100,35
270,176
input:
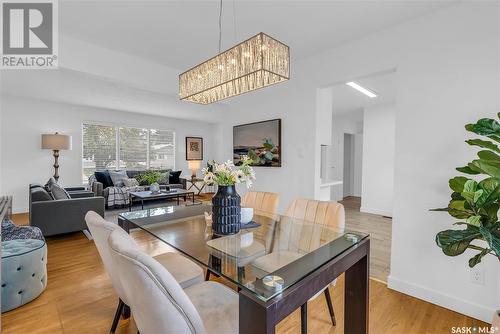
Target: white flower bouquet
x,y
227,174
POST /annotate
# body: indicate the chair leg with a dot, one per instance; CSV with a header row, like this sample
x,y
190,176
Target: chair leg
x,y
207,275
117,317
330,306
126,311
303,318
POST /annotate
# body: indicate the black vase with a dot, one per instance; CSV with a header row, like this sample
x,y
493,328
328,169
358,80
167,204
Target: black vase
x,y
226,209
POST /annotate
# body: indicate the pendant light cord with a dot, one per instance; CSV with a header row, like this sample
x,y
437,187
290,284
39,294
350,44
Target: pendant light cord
x,y
234,21
220,26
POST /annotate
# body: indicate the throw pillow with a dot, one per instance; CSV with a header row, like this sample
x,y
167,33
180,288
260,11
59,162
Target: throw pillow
x,y
130,183
49,184
117,177
59,192
174,177
165,178
104,178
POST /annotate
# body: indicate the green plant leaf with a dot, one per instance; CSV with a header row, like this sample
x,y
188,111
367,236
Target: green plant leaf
x,y
490,191
474,221
455,242
490,211
457,183
484,144
486,167
485,127
467,170
488,156
473,261
492,240
470,186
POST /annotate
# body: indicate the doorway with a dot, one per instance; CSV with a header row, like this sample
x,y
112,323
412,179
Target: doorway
x,y
348,165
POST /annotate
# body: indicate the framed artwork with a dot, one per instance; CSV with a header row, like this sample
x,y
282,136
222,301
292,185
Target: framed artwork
x,y
261,141
194,148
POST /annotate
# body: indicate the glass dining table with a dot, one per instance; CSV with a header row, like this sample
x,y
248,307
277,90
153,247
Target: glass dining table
x,y
277,265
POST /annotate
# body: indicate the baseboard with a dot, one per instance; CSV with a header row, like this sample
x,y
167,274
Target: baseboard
x,y
376,211
444,300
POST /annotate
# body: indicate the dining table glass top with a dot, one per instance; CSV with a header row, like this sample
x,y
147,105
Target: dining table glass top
x,y
264,260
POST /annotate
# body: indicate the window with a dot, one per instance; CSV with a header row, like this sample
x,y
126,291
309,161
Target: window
x,y
119,147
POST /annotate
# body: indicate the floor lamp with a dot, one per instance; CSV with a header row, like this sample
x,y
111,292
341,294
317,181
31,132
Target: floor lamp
x,y
56,142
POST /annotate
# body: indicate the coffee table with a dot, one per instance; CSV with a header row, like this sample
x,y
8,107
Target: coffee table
x,y
163,194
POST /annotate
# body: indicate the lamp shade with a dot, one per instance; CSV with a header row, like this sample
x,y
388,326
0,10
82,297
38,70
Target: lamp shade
x,y
194,164
56,141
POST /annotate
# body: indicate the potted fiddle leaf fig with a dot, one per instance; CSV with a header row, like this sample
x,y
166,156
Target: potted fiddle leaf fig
x,y
475,198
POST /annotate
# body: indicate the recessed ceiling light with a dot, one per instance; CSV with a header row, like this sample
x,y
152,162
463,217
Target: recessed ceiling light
x,y
361,89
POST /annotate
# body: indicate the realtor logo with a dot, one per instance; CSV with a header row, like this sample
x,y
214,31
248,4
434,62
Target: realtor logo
x,y
29,34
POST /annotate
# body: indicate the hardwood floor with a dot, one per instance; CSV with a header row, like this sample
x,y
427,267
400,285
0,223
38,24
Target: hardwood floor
x,y
79,297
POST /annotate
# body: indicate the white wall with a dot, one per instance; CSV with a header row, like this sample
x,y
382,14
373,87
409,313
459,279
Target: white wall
x,y
24,120
378,159
447,75
342,124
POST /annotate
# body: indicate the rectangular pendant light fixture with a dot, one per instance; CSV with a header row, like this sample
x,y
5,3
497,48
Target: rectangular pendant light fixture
x,y
258,62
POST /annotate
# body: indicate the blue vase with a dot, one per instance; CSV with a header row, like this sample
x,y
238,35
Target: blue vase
x,y
226,209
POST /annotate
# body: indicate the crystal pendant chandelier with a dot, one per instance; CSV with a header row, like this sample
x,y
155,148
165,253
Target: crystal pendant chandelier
x,y
258,62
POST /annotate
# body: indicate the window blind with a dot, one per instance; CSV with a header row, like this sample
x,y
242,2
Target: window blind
x,y
118,147
133,148
161,149
99,148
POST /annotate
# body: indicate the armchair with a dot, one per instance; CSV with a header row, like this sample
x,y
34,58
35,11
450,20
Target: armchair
x,y
62,215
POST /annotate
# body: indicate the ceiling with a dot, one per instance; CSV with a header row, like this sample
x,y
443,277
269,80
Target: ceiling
x,y
181,34
348,100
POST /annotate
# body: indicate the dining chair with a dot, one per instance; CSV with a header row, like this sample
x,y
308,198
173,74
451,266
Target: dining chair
x,y
298,242
182,269
329,213
158,302
263,203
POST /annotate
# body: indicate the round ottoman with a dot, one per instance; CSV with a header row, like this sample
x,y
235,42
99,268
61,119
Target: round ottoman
x,y
24,271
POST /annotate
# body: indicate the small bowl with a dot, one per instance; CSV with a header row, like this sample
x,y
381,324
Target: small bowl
x,y
246,215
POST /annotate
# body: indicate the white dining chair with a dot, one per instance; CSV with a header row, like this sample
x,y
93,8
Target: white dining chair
x,y
160,305
182,269
298,243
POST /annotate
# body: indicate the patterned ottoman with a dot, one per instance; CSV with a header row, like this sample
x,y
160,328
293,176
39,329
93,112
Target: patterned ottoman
x,y
24,271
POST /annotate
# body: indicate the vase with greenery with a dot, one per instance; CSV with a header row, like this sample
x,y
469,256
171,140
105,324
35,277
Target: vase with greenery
x,y
151,178
226,208
475,198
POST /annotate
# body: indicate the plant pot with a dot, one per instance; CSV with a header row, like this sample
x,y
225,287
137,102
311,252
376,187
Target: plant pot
x,y
226,209
154,188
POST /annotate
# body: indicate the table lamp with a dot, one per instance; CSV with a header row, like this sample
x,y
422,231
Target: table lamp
x,y
194,165
56,142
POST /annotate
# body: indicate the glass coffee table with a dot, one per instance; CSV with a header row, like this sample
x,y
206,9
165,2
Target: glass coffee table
x,y
162,194
277,266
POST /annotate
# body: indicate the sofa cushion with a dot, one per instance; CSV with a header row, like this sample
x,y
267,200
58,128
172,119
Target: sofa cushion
x,y
40,194
49,184
174,177
118,177
130,183
59,192
103,177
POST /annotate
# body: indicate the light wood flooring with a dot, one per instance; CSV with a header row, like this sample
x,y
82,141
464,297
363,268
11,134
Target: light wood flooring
x,y
80,299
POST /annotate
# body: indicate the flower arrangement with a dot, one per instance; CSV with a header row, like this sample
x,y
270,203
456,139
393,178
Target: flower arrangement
x,y
227,174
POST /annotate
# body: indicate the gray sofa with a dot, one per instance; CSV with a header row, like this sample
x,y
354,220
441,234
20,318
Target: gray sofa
x,y
63,215
119,195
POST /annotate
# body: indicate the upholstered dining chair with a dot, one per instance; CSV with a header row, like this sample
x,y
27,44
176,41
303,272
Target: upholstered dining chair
x,y
158,302
329,213
182,269
263,203
318,212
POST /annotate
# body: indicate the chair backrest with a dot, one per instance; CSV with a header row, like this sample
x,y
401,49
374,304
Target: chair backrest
x,y
306,237
329,213
100,230
158,302
263,203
